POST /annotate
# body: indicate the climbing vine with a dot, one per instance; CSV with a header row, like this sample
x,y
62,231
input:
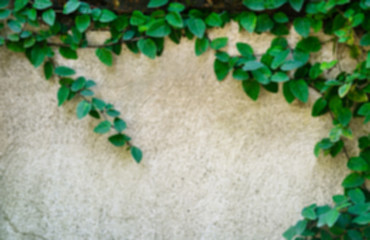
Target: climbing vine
x,y
39,29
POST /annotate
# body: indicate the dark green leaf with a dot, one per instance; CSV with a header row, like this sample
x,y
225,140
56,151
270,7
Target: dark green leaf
x,y
119,124
158,29
98,103
82,22
363,219
357,164
365,40
68,53
78,84
4,3
42,4
296,4
264,23
201,45
103,127
219,43
176,7
48,70
118,140
318,107
214,20
252,89
221,69
302,26
288,95
19,4
281,17
310,44
353,180
357,196
241,75
245,49
105,56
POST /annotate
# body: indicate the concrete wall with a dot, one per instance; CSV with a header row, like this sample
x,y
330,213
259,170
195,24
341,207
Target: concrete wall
x,y
216,164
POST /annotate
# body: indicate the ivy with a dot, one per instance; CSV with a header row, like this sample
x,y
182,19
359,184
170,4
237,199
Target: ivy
x,y
32,27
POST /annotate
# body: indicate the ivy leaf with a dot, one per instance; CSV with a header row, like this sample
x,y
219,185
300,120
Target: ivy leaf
x,y
248,21
103,127
219,43
19,4
158,29
48,70
221,69
310,44
302,26
175,19
71,6
82,22
107,16
357,164
49,17
329,218
118,140
365,40
252,89
309,212
62,95
64,71
353,180
201,45
318,107
105,56
214,20
299,89
147,47
288,95
245,49
78,84
157,3
98,103
197,27
68,53
252,65
280,77
136,154
83,108
119,124
296,4
42,4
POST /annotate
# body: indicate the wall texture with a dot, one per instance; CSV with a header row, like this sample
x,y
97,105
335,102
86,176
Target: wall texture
x,y
216,164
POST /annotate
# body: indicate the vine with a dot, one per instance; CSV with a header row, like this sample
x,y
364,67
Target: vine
x,y
38,29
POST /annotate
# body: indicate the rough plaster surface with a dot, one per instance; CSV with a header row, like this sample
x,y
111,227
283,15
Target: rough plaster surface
x,y
216,164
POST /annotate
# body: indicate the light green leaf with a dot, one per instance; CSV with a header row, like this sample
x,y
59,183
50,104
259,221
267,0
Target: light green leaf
x,y
197,27
158,29
71,6
49,17
280,77
201,45
329,218
296,4
344,89
175,19
248,21
103,127
119,124
82,22
157,3
245,49
83,108
78,84
219,43
302,26
62,95
176,7
147,47
309,212
107,16
42,4
136,154
214,20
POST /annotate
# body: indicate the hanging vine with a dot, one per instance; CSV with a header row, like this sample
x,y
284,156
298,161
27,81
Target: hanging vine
x,y
38,28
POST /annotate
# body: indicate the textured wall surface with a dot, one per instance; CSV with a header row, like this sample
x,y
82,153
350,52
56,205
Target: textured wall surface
x,y
216,164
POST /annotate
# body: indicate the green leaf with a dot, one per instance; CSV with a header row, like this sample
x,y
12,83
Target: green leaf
x,y
280,77
176,7
103,127
36,55
281,17
197,27
98,103
318,107
252,89
147,47
49,17
4,3
219,43
4,13
158,29
15,26
175,19
62,95
329,218
302,26
119,124
68,53
157,3
299,89
309,212
48,70
136,154
248,21
252,65
363,219
64,71
357,196
221,69
245,49
78,84
118,140
288,95
42,4
138,18
255,5
113,113
368,60
83,108
107,16
241,75
353,180
19,4
71,6
105,56
201,45
264,23
82,22
344,116
279,59
365,40
357,164
296,4
214,20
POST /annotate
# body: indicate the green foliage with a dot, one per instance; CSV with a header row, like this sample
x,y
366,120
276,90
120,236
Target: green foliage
x,y
343,97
